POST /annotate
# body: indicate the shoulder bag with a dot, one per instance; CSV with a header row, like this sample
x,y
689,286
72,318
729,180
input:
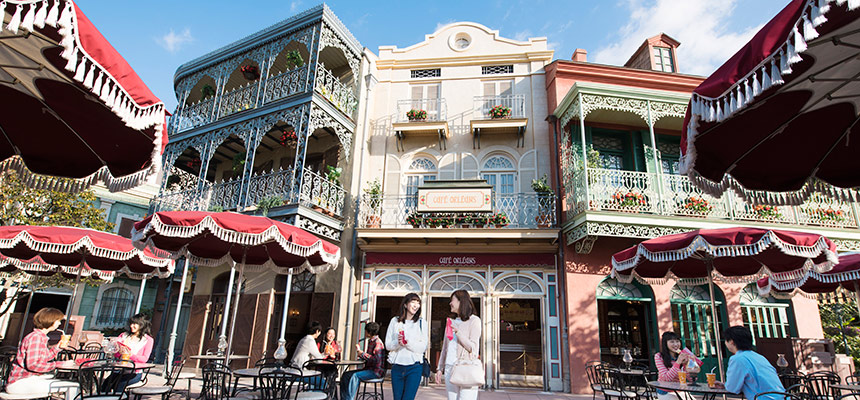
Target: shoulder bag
x,y
468,370
425,365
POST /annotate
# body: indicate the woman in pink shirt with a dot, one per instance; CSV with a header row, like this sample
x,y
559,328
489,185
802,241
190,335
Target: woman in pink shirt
x,y
137,343
670,360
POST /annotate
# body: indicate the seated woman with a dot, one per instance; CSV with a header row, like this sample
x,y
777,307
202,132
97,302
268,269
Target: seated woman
x,y
31,371
670,360
137,344
307,350
329,346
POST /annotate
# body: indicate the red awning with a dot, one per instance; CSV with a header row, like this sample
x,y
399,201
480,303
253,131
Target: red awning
x,y
462,260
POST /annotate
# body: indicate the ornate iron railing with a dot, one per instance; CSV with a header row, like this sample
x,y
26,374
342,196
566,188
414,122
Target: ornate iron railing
x,y
280,183
239,99
515,102
436,109
186,199
675,195
197,114
317,191
330,87
224,195
286,84
523,210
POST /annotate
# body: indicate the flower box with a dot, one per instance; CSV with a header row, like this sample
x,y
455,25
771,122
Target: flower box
x,y
629,201
696,206
415,115
500,111
250,72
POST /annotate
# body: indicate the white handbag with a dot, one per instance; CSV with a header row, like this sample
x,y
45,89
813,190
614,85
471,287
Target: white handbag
x,y
468,370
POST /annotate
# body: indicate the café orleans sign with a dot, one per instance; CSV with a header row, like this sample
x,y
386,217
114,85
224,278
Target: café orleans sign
x,y
455,196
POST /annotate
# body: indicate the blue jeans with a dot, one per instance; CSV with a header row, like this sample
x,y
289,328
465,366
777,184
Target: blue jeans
x,y
350,380
122,381
315,382
405,380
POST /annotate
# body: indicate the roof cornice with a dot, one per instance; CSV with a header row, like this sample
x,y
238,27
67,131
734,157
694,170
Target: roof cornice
x,y
623,76
545,56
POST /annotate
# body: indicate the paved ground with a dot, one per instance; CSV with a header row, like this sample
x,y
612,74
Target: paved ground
x,y
431,392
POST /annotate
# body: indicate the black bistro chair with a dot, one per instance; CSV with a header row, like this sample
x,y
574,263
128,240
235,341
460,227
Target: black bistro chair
x,y
795,381
598,377
6,361
778,396
819,385
166,390
376,387
101,379
216,381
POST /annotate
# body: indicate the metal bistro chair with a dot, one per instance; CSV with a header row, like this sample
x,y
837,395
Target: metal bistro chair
x,y
310,387
819,385
100,379
597,377
166,390
6,361
852,379
617,389
277,384
776,395
216,381
796,381
377,393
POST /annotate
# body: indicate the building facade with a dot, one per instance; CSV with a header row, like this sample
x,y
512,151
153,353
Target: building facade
x,y
266,125
430,126
618,131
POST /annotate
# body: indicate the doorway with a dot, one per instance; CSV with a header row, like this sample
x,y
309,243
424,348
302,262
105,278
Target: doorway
x,y
386,308
440,310
624,324
520,343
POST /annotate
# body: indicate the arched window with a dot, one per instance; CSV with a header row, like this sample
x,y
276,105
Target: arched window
x,y
398,283
451,283
612,289
499,171
116,307
693,320
765,317
422,169
689,293
518,284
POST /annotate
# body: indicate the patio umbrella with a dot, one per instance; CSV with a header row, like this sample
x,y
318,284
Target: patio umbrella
x,y
72,107
252,242
78,250
780,114
733,254
845,274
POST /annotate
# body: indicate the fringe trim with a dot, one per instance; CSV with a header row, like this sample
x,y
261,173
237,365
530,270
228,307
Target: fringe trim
x,y
737,97
36,265
133,115
143,239
756,197
46,182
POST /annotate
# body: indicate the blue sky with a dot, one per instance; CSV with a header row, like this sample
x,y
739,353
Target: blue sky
x,y
157,36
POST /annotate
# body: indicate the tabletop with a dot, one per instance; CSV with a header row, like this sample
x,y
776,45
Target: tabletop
x,y
853,388
338,362
255,372
632,371
71,365
217,357
678,387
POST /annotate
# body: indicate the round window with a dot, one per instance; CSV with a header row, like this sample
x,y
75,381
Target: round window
x,y
460,41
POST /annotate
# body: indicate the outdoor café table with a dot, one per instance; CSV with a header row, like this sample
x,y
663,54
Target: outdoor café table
x,y
847,387
708,393
630,376
73,366
255,373
331,379
211,357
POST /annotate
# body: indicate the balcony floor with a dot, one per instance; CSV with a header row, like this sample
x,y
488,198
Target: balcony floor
x,y
505,240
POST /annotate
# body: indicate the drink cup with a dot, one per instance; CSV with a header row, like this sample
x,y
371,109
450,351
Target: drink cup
x,y
682,377
712,379
125,356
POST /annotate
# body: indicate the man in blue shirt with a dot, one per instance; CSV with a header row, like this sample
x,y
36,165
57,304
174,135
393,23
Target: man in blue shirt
x,y
748,370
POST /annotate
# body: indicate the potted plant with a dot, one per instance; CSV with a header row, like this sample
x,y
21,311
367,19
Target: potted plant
x,y
544,198
239,161
415,220
251,72
500,111
289,138
294,59
828,216
767,212
500,220
697,206
333,174
463,220
373,193
628,201
416,115
207,91
268,203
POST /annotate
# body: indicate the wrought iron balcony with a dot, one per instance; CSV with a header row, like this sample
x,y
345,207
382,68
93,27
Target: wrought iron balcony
x,y
523,210
516,103
675,195
329,86
197,114
240,99
436,109
286,84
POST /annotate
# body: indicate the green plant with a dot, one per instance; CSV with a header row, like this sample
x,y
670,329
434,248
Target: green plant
x,y
840,324
541,186
267,203
630,199
827,214
294,59
697,205
207,91
767,212
239,161
332,173
374,194
216,209
414,219
500,111
415,114
500,219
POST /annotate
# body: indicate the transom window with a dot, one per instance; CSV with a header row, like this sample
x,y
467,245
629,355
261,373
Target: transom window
x,y
663,59
689,293
670,154
517,283
451,283
611,151
398,283
497,69
499,171
426,73
116,306
421,169
614,289
764,316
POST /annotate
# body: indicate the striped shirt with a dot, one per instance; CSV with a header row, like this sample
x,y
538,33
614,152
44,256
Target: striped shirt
x,y
665,374
34,357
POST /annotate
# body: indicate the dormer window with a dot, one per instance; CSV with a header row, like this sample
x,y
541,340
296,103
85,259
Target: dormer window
x,y
663,59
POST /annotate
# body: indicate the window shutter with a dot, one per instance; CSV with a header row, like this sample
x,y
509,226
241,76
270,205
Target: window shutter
x,y
417,92
505,88
392,177
470,166
528,170
448,167
489,88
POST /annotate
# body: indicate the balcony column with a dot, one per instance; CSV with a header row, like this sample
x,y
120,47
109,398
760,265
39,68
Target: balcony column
x,y
303,132
219,94
176,120
252,142
265,64
206,154
584,151
658,167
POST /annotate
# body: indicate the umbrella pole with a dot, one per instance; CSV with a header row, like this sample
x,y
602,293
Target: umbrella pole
x,y
72,299
140,295
222,340
286,304
168,364
235,308
27,309
857,297
714,314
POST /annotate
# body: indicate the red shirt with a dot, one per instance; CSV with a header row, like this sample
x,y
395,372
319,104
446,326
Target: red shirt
x,y
34,354
374,357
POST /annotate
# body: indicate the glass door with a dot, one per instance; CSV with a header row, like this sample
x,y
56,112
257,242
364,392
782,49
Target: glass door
x,y
520,343
440,310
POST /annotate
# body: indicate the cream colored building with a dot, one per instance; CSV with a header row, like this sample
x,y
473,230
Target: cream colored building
x,y
456,76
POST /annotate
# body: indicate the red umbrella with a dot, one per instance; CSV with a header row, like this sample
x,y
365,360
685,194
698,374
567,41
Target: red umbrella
x,y
736,253
778,116
845,274
213,239
72,106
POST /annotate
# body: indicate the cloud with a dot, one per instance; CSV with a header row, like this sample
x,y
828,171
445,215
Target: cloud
x,y
439,25
523,35
360,21
173,42
294,6
700,26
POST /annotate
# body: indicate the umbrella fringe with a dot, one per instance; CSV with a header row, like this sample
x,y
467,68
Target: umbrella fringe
x,y
29,18
39,19
53,14
15,22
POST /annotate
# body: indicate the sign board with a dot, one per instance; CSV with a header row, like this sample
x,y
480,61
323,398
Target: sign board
x,y
455,199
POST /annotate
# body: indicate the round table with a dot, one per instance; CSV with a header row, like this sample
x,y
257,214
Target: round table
x,y
340,366
850,388
217,357
708,393
72,365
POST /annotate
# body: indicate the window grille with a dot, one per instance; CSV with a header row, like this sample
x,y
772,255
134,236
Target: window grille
x,y
426,73
764,316
497,69
451,283
516,283
399,283
613,289
116,307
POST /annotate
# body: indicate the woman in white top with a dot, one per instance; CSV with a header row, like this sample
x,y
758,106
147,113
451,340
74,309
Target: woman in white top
x,y
464,336
306,350
406,341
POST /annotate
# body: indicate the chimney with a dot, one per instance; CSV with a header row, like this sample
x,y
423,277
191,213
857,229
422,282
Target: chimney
x,y
579,55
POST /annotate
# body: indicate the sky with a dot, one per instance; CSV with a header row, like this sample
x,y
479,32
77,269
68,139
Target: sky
x,y
157,36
